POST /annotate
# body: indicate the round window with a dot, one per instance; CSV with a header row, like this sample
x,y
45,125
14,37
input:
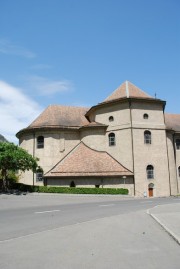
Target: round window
x,y
145,116
111,118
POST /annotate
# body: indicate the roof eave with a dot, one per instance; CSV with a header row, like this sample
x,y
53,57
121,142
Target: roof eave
x,y
45,128
124,99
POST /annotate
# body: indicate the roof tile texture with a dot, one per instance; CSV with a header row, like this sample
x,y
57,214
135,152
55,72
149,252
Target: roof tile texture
x,y
57,115
84,161
172,121
126,90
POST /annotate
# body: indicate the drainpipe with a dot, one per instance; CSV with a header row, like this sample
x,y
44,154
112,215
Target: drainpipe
x,y
132,143
33,152
168,165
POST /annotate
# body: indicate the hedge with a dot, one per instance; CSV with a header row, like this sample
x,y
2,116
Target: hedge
x,y
71,190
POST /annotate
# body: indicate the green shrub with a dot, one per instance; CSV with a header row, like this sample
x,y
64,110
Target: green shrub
x,y
49,189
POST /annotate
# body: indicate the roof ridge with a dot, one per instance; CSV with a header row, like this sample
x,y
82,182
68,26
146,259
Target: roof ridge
x,y
127,90
141,90
125,170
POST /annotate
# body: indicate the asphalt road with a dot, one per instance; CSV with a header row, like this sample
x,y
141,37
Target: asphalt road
x,y
69,232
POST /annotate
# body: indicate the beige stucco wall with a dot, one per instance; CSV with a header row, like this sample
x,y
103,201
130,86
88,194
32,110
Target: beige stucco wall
x,y
119,111
154,111
120,126
56,146
154,154
122,151
94,138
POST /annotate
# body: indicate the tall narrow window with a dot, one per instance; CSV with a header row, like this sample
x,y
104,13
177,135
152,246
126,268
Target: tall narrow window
x,y
40,142
179,171
150,171
147,137
177,143
112,140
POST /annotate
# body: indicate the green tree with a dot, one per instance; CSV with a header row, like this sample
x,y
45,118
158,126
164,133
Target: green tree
x,y
14,158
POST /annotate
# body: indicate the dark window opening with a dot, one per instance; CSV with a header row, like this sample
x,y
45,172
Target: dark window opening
x,y
39,176
72,184
150,172
145,116
179,171
177,143
111,118
112,141
40,142
147,137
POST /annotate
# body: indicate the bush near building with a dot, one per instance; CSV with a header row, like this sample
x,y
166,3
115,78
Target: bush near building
x,y
70,190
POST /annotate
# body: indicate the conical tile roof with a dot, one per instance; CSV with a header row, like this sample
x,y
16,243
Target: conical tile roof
x,y
127,90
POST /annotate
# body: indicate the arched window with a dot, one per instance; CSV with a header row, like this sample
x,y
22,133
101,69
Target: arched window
x,y
150,172
147,137
112,140
40,142
145,116
111,118
179,171
177,143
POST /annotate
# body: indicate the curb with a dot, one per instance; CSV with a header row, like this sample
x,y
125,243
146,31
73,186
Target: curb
x,y
173,235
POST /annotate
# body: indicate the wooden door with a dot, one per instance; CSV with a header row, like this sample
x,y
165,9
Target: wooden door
x,y
150,192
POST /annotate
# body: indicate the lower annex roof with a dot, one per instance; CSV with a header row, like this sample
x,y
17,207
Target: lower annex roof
x,y
84,161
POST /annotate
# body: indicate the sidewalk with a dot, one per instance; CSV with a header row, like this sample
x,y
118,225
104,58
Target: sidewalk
x,y
168,216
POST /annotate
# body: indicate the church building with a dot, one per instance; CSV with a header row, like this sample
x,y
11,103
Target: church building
x,y
125,141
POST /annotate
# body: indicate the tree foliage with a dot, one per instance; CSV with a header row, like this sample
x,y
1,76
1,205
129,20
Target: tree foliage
x,y
14,158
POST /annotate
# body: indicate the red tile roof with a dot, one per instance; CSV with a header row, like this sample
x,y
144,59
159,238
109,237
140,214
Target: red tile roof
x,y
57,115
127,90
172,121
84,161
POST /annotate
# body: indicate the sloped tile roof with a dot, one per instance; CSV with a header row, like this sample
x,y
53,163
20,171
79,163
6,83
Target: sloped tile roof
x,y
84,161
57,115
172,121
127,90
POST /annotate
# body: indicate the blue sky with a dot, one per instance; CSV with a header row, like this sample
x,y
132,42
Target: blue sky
x,y
77,52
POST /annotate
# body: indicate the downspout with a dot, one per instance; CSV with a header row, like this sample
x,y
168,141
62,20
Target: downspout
x,y
33,152
132,144
168,166
167,154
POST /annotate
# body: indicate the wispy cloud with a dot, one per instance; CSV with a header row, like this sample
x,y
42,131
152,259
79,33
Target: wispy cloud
x,y
6,47
49,87
17,110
